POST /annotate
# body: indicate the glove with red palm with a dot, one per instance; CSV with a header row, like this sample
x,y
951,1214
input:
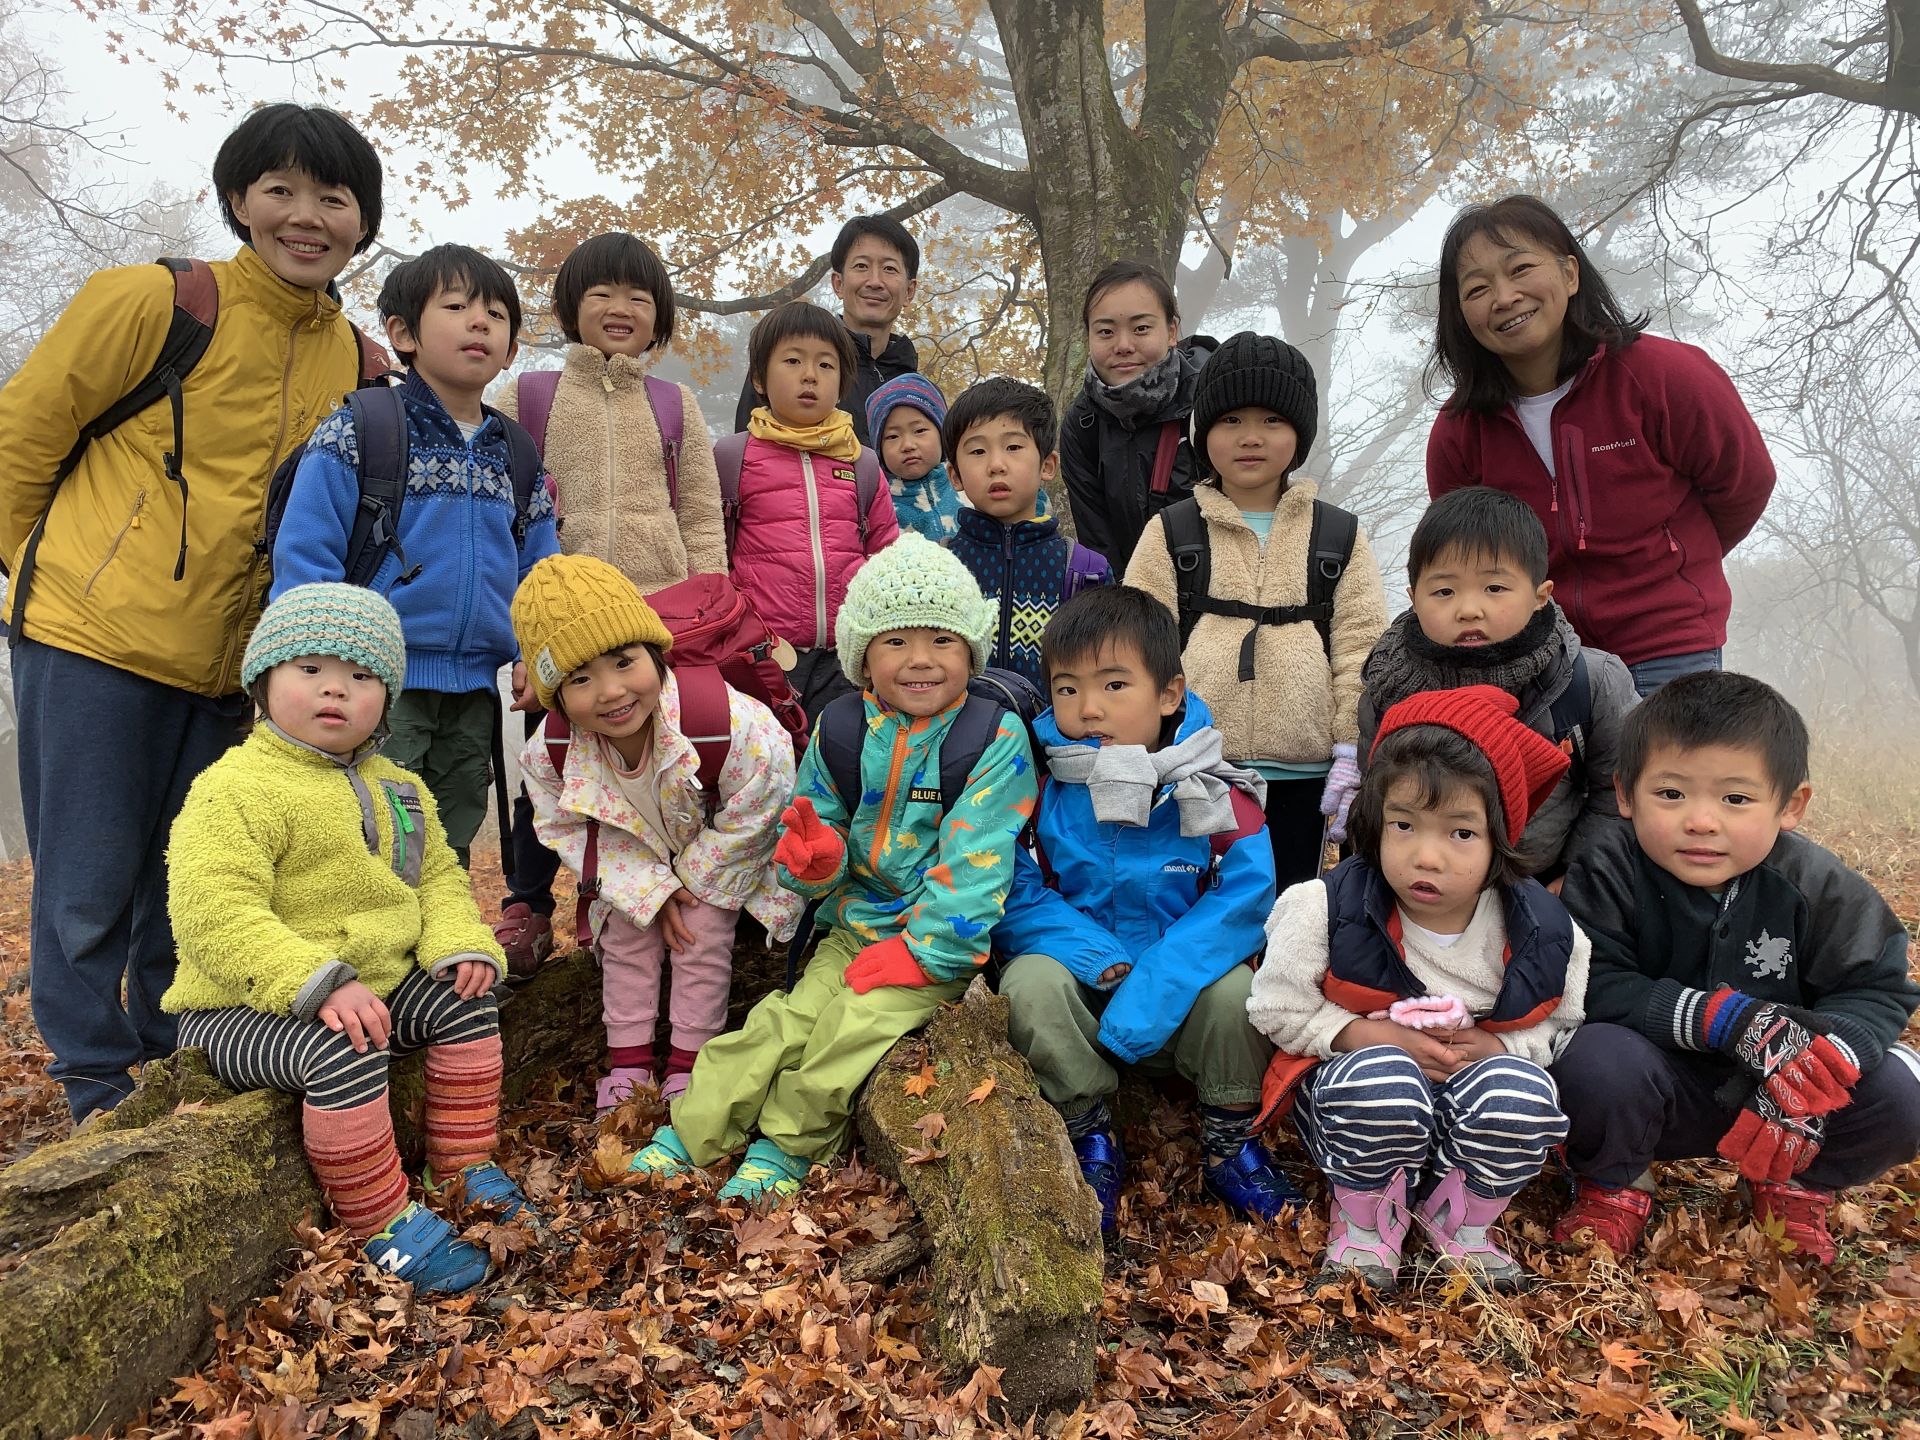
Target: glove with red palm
x,y
808,848
1785,1049
886,962
1767,1143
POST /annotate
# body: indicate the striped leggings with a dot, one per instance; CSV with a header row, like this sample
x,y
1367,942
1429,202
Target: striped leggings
x,y
249,1049
1368,1113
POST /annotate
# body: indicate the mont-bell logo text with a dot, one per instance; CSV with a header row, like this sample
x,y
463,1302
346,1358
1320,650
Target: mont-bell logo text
x,y
1615,445
1179,867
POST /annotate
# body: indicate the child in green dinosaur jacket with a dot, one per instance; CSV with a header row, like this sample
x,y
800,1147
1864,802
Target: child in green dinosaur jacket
x,y
324,926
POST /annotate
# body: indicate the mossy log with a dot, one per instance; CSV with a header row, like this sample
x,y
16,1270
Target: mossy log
x,y
114,1243
1015,1233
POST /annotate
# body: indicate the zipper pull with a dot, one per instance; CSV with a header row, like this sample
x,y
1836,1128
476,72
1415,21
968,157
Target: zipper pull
x,y
1672,547
1554,508
1583,534
606,381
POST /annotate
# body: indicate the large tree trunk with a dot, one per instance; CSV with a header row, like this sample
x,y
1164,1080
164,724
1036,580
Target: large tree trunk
x,y
1015,1232
115,1242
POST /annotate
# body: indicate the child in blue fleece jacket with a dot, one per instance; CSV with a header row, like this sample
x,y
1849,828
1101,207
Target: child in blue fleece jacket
x,y
1154,879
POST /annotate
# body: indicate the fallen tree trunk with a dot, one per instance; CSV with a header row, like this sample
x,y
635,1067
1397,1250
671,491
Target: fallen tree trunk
x,y
114,1243
1015,1233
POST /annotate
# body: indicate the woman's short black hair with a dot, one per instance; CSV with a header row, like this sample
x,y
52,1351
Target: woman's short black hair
x,y
1479,378
616,258
1111,615
1439,762
299,137
799,320
412,284
1125,272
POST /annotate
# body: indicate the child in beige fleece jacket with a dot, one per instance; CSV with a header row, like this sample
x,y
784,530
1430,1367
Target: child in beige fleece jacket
x,y
1285,703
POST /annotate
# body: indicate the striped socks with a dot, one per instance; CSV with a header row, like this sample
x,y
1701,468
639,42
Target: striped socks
x,y
463,1104
354,1159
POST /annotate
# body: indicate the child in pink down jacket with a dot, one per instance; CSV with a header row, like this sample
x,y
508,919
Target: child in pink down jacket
x,y
675,866
799,535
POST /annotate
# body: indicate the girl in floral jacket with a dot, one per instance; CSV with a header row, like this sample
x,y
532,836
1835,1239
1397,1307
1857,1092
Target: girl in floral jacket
x,y
675,864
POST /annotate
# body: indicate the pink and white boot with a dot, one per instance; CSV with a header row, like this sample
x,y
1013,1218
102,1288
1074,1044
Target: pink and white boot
x,y
1457,1222
1367,1234
617,1084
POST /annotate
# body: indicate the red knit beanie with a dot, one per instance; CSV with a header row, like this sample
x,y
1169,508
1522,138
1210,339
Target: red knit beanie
x,y
1526,764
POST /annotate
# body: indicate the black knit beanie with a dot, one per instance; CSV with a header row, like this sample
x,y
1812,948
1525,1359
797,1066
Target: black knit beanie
x,y
1250,369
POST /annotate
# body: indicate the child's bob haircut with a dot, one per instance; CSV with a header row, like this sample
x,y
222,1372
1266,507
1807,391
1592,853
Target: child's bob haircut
x,y
1439,762
1125,272
1480,379
412,284
799,320
994,397
616,258
1717,707
299,137
1112,615
1479,522
883,228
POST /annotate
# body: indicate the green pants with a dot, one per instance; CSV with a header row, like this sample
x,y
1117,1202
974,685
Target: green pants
x,y
447,740
1054,1020
793,1069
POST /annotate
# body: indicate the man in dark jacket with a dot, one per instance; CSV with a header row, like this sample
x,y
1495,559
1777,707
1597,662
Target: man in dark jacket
x,y
876,269
1748,991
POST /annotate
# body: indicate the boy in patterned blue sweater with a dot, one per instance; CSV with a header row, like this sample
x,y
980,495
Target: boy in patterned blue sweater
x,y
999,438
464,540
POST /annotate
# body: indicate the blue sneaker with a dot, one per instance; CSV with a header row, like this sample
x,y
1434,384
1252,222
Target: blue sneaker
x,y
662,1157
488,1184
1103,1165
767,1176
1250,1182
421,1248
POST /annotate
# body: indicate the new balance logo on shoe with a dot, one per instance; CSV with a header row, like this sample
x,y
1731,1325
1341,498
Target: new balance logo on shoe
x,y
392,1260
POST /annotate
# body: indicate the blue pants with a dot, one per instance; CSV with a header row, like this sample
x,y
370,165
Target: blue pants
x,y
106,757
1650,675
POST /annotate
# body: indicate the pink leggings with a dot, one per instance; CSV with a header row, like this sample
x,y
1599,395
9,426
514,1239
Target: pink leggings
x,y
630,960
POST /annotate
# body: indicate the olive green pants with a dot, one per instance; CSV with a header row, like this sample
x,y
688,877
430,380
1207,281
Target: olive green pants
x,y
1054,1021
793,1069
447,740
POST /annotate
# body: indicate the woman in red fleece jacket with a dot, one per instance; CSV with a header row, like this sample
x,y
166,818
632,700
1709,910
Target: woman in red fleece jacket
x,y
1637,452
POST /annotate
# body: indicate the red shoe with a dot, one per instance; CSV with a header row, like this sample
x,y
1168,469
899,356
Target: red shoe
x,y
1802,1213
1617,1217
526,936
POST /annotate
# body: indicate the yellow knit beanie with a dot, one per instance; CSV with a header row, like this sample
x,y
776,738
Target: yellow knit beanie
x,y
571,608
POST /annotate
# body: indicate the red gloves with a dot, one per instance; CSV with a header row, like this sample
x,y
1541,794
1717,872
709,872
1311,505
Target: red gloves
x,y
1766,1143
809,848
885,962
1784,1048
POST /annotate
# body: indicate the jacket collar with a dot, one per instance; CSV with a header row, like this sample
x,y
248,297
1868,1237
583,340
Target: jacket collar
x,y
278,740
431,414
588,787
289,304
620,372
1295,501
984,528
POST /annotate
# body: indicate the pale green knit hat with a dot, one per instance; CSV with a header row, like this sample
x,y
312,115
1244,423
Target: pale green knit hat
x,y
913,584
349,622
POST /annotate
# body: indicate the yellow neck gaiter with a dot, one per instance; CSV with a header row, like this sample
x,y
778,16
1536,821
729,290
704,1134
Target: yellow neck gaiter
x,y
832,437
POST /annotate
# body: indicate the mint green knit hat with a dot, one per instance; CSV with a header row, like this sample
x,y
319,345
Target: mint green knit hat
x,y
346,621
913,584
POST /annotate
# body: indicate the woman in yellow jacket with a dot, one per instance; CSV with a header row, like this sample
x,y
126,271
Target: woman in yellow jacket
x,y
143,584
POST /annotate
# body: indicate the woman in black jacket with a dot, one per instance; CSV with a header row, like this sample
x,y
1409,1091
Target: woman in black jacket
x,y
1123,446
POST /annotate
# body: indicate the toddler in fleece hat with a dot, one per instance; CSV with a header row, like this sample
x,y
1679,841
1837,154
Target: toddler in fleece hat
x,y
1418,1123
908,889
905,417
667,857
324,926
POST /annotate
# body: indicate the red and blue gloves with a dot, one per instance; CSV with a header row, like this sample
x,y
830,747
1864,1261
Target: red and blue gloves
x,y
1766,1143
1787,1051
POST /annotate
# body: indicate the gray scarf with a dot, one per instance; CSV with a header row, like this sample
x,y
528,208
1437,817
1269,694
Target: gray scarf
x,y
1405,661
1142,397
1124,779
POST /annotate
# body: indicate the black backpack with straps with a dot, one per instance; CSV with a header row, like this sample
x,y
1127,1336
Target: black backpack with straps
x,y
1329,550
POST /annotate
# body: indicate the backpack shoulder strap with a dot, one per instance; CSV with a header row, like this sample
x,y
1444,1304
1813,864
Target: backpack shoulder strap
x,y
729,455
706,718
839,733
558,736
523,465
375,363
1186,532
670,415
866,485
380,430
1248,819
1329,549
1084,569
1165,450
534,391
1572,709
966,741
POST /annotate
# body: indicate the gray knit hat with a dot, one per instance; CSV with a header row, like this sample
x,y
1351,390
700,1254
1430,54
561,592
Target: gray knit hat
x,y
1250,369
345,621
913,584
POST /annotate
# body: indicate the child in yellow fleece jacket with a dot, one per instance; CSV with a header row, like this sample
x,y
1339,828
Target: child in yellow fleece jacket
x,y
325,925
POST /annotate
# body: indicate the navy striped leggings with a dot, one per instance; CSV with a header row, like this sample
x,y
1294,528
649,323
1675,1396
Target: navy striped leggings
x,y
250,1049
1368,1113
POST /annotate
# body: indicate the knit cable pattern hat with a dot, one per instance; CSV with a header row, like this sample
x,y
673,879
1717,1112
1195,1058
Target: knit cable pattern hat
x,y
1250,369
910,389
1525,763
348,622
571,608
913,584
